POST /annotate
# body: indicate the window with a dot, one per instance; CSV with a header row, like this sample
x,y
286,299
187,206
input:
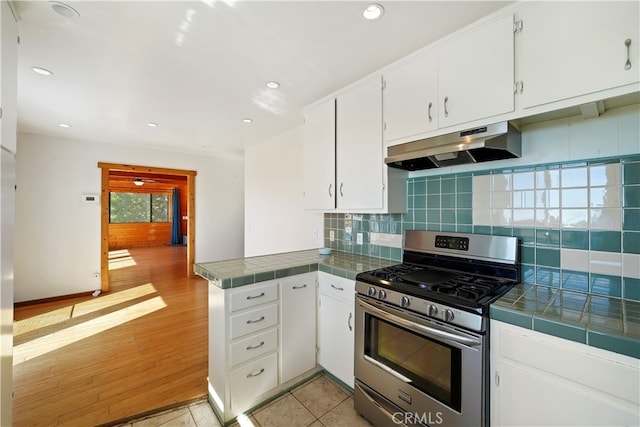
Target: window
x,y
138,207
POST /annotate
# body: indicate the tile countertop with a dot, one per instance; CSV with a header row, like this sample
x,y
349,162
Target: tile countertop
x,y
245,271
596,320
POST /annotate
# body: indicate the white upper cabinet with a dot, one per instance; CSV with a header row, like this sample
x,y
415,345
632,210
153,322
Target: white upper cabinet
x,y
411,97
9,78
319,149
476,73
468,78
359,155
576,48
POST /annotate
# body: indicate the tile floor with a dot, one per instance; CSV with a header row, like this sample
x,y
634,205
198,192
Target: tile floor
x,y
320,402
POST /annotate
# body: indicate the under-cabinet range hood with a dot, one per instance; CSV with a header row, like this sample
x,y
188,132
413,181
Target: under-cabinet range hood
x,y
482,144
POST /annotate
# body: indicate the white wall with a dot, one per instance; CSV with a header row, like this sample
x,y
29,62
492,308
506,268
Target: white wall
x,y
58,238
275,219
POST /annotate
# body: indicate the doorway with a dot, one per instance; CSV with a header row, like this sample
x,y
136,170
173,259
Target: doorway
x,y
116,174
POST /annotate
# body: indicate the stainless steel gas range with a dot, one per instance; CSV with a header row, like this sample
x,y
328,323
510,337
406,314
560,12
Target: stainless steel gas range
x,y
421,330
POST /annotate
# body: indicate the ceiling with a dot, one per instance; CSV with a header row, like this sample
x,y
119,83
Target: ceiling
x,y
198,68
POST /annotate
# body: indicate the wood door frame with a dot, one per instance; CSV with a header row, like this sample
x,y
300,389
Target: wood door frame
x,y
104,213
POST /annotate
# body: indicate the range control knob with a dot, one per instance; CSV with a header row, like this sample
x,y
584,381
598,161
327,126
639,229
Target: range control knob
x,y
404,301
382,294
433,310
448,315
371,291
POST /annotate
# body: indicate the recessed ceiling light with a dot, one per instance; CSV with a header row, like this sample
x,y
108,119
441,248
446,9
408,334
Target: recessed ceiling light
x,y
152,125
42,71
63,9
273,85
64,125
247,120
373,11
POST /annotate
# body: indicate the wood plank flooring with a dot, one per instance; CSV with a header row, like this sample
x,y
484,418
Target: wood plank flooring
x,y
140,347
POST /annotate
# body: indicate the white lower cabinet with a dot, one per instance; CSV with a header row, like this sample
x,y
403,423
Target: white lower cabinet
x,y
336,303
297,325
261,341
542,380
253,379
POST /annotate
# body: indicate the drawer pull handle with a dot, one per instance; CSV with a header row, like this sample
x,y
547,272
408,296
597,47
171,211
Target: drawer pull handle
x,y
250,375
300,287
429,112
349,321
253,347
627,65
336,287
255,296
446,110
255,321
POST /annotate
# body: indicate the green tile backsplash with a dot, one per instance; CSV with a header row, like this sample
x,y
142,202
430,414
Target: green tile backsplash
x,y
588,208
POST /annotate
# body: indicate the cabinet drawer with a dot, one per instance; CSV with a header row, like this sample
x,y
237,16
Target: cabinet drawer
x,y
253,320
254,346
252,380
253,295
337,287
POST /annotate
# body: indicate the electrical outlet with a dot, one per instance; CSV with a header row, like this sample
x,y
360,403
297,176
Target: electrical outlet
x,y
359,238
332,236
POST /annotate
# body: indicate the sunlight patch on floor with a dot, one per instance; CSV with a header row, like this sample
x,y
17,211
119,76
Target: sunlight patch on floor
x,y
113,298
51,342
120,259
63,314
43,320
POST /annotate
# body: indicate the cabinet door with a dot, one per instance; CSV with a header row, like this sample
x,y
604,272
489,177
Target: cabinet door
x,y
359,155
9,80
476,74
297,326
410,98
335,340
319,156
576,48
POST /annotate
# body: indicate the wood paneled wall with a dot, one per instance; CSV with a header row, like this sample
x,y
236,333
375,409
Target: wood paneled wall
x,y
133,235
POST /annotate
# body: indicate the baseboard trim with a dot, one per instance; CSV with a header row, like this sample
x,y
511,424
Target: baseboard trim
x,y
52,299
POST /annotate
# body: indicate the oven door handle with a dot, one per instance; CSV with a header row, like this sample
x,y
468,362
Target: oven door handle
x,y
433,332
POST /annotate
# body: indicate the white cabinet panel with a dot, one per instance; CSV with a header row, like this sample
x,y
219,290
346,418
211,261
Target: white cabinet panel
x,y
253,346
253,320
476,74
410,97
336,326
337,287
575,48
567,383
252,380
359,155
253,295
8,78
297,325
319,148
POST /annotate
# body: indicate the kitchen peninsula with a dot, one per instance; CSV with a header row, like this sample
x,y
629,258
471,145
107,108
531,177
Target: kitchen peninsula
x,y
264,312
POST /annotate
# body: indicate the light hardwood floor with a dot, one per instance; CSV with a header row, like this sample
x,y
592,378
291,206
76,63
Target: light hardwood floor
x,y
140,347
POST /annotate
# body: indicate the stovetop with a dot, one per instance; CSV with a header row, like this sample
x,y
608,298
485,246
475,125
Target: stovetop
x,y
427,281
452,278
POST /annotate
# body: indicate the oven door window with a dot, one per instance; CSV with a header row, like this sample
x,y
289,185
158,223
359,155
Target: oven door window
x,y
432,366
